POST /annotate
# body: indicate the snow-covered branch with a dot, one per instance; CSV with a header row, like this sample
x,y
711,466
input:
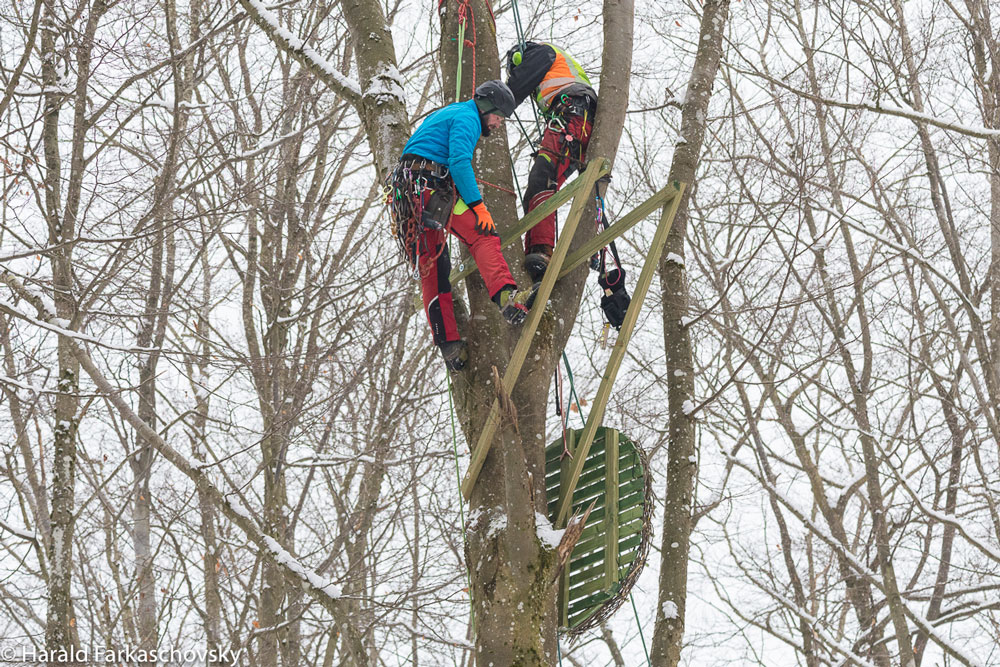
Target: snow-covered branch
x,y
319,588
305,55
877,107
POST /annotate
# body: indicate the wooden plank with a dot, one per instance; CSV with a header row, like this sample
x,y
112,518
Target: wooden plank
x,y
586,559
577,577
593,601
593,537
590,475
468,265
584,494
625,517
626,223
549,206
579,618
565,472
520,352
578,592
611,503
624,336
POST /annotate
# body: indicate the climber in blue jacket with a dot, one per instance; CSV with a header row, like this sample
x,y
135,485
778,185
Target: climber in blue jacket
x,y
434,190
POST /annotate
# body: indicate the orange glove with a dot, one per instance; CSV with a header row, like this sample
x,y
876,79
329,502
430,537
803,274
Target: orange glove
x,y
484,221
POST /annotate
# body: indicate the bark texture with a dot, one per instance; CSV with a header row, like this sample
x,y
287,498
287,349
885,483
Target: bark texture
x,y
678,517
512,573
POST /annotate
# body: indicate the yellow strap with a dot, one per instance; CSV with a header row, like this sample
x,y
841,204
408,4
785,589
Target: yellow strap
x,y
460,207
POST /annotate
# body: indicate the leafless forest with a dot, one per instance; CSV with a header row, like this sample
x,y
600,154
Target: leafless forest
x,y
223,424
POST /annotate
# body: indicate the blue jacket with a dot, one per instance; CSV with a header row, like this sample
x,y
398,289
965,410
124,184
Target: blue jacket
x,y
449,136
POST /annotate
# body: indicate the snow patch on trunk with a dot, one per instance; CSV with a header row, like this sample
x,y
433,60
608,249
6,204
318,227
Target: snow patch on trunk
x,y
547,535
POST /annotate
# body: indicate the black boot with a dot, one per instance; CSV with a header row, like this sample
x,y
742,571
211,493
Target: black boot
x,y
455,354
537,260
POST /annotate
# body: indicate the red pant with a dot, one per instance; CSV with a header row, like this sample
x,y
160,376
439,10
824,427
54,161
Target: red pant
x,y
435,270
557,158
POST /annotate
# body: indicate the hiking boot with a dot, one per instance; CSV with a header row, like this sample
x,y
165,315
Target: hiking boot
x,y
515,304
537,260
455,354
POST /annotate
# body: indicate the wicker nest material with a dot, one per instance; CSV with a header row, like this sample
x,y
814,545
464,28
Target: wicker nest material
x,y
619,592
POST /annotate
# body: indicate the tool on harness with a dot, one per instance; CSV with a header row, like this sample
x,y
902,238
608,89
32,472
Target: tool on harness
x,y
572,105
558,121
615,299
420,196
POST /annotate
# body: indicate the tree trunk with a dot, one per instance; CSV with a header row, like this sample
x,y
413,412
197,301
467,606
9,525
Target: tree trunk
x,y
59,548
197,435
668,634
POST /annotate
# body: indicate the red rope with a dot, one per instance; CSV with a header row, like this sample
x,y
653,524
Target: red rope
x,y
494,185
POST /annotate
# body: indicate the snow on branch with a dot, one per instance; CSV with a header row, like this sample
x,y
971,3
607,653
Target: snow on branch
x,y
17,532
879,108
319,588
46,315
935,633
306,56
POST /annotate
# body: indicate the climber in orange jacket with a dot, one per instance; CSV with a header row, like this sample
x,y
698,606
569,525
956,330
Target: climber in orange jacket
x,y
563,93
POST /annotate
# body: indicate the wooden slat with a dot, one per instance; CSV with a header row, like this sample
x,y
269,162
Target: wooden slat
x,y
577,576
588,555
579,618
565,472
591,602
626,223
633,541
590,475
520,352
596,490
549,206
577,592
618,353
593,536
626,517
611,506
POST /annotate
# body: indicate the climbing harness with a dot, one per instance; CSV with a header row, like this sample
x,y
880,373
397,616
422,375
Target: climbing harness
x,y
420,195
558,120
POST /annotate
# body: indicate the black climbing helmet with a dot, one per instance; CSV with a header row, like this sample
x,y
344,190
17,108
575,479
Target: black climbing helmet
x,y
496,98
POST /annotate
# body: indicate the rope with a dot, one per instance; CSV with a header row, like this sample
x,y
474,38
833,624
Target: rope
x,y
522,42
639,625
461,47
572,389
464,13
498,187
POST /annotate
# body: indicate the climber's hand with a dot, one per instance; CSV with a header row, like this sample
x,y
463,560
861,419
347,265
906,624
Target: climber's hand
x,y
484,221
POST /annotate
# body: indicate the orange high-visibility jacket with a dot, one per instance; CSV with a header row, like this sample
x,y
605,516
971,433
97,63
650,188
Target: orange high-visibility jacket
x,y
547,72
